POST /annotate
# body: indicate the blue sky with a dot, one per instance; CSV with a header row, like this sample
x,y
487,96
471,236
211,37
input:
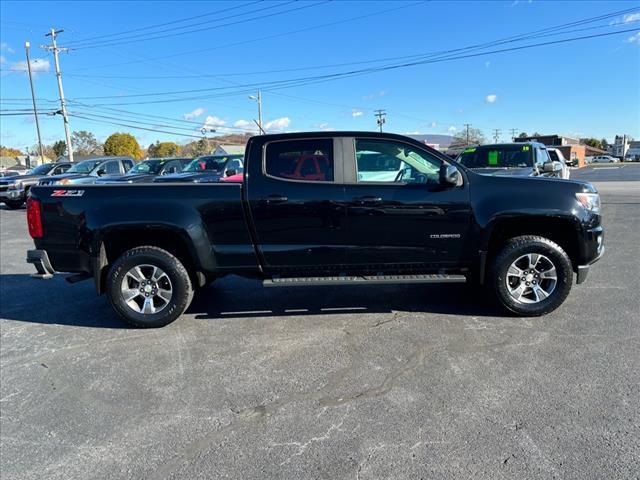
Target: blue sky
x,y
147,75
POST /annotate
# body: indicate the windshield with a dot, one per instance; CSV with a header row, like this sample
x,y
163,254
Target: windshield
x,y
497,156
200,164
85,166
41,170
148,166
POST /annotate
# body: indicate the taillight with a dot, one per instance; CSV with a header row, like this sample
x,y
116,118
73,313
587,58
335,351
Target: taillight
x,y
34,218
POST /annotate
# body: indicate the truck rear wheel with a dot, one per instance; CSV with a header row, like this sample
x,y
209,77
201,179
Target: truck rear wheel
x,y
149,287
531,276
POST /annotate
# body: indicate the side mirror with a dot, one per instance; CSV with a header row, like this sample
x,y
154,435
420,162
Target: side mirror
x,y
230,172
552,167
450,176
100,172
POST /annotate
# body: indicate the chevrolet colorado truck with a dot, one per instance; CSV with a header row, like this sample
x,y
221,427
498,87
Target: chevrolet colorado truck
x,y
14,188
294,222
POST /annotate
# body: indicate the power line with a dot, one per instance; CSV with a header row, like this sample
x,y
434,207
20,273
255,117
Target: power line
x,y
496,134
467,126
146,38
260,39
380,118
513,133
535,34
300,81
150,27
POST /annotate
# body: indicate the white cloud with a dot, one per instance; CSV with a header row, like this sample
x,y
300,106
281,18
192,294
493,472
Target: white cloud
x,y
433,124
4,46
195,114
325,127
2,60
413,133
634,38
213,122
491,98
38,65
628,18
243,124
356,113
371,96
452,129
487,64
277,125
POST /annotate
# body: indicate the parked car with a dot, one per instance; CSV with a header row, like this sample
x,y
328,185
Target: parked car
x,y
8,173
437,222
88,171
147,170
605,159
207,169
529,159
557,156
237,178
14,188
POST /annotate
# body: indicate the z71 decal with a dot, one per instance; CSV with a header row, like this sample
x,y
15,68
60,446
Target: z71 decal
x,y
67,193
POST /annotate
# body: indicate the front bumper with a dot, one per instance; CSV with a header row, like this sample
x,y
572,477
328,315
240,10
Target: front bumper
x,y
583,270
11,195
40,259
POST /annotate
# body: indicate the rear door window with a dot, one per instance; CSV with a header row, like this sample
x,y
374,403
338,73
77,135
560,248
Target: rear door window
x,y
111,168
301,160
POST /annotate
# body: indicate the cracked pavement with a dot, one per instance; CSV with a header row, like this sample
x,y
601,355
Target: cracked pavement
x,y
399,382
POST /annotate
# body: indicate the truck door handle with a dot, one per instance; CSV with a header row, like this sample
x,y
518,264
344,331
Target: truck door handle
x,y
272,199
367,199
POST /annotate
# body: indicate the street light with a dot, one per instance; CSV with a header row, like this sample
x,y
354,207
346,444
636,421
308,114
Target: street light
x,y
258,98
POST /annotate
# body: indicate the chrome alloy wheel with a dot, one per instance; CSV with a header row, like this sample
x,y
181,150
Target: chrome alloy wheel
x,y
531,278
146,289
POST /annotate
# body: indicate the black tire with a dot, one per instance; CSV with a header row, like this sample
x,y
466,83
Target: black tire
x,y
182,290
14,204
515,249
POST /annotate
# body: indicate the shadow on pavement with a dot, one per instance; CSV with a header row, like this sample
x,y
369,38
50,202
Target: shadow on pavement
x,y
55,302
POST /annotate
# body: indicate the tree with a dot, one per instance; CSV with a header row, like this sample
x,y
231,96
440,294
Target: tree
x,y
476,137
592,142
9,152
163,149
59,148
605,144
122,144
522,135
85,143
536,134
197,148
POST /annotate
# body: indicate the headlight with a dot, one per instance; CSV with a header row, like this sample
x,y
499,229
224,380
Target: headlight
x,y
14,186
590,201
63,181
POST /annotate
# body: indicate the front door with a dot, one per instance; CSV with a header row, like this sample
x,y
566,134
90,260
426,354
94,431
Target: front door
x,y
397,211
297,205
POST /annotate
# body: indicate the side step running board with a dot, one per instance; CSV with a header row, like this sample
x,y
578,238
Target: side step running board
x,y
363,280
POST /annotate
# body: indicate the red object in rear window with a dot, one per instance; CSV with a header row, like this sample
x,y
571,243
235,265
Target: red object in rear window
x,y
34,218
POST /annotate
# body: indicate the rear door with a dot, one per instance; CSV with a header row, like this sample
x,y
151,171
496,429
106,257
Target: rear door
x,y
299,215
397,211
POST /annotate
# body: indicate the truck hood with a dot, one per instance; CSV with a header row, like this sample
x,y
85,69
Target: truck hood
x,y
133,178
18,178
196,177
505,172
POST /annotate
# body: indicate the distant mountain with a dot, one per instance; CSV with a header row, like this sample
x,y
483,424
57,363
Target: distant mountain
x,y
442,140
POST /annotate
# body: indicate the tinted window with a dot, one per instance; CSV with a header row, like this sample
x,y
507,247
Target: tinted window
x,y
85,166
128,164
388,161
111,168
498,156
148,166
304,160
172,167
554,155
41,170
61,169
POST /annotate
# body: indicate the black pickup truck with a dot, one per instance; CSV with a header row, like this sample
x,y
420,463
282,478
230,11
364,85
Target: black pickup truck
x,y
321,209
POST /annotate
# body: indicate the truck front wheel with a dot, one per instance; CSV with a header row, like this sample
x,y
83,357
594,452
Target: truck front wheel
x,y
149,287
531,276
14,204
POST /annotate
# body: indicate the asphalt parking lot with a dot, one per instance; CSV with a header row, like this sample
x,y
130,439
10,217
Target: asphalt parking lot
x,y
334,383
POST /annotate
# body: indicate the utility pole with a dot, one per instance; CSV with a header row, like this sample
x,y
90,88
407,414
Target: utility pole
x,y
54,48
467,125
27,45
496,134
258,98
381,114
513,133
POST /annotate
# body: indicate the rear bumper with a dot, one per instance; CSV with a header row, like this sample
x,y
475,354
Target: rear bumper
x,y
40,259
